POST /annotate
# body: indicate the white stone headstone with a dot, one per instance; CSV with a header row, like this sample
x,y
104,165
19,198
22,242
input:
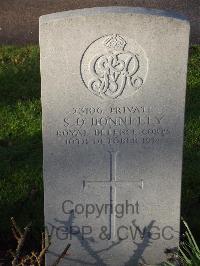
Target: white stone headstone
x,y
113,96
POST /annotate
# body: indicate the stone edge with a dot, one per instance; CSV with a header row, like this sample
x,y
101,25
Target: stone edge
x,y
112,9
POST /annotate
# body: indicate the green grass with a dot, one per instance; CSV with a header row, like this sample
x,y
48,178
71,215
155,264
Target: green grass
x,y
21,189
21,192
188,253
191,160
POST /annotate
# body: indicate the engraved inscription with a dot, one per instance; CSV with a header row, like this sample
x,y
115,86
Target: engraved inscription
x,y
115,65
112,183
121,125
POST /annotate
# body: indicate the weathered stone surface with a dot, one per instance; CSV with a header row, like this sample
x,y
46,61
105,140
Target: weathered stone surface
x,y
113,95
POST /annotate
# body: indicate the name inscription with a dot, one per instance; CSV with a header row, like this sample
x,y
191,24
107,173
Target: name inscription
x,y
115,125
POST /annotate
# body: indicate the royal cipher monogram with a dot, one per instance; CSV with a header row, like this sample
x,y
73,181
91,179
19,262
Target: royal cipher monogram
x,y
114,70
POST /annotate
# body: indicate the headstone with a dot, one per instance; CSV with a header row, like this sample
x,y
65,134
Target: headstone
x,y
113,96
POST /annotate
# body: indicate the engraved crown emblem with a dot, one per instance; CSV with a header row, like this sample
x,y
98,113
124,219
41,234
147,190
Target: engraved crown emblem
x,y
115,42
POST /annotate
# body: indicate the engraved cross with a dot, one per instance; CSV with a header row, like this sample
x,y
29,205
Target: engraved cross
x,y
112,183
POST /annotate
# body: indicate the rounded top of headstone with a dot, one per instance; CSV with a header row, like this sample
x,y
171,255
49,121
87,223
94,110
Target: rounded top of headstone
x,y
113,9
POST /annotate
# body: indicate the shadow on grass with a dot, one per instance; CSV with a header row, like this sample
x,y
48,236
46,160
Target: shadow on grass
x,y
191,155
21,189
19,74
